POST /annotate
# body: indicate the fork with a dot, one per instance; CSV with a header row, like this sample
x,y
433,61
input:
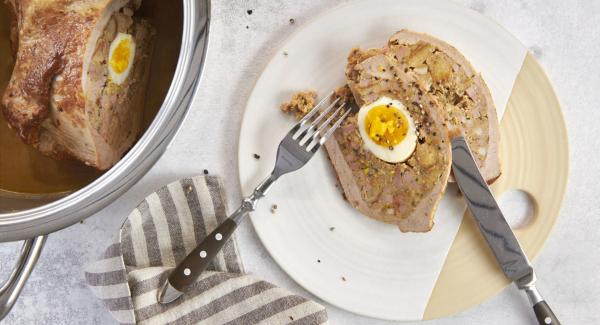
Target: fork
x,y
295,150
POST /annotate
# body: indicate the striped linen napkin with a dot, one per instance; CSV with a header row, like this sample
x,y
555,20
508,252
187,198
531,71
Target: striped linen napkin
x,y
161,231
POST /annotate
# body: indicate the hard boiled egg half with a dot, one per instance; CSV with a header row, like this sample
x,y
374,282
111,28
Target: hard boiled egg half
x,y
120,57
387,130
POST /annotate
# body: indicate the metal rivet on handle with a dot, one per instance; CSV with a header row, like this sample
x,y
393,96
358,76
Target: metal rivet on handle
x,y
187,271
218,236
203,254
548,320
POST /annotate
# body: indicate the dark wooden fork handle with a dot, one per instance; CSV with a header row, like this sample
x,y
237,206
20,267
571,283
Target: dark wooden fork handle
x,y
198,260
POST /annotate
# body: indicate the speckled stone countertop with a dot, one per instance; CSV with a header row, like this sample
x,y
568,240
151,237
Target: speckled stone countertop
x,y
563,35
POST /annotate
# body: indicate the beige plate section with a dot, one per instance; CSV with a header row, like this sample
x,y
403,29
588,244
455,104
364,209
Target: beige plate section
x,y
535,158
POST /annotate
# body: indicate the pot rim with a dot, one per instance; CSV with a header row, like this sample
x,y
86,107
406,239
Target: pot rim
x,y
142,156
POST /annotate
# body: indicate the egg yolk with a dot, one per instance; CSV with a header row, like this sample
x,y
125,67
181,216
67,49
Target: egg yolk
x,y
386,125
120,58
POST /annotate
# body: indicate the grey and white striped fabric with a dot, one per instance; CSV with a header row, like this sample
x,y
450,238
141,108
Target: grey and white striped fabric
x,y
166,226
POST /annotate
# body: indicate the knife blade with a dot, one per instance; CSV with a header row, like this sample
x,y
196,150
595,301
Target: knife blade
x,y
493,226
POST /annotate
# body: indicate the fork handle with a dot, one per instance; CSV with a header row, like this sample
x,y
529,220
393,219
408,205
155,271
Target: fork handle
x,y
198,260
188,270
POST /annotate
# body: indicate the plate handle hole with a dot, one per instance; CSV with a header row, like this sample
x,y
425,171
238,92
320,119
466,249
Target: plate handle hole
x,y
518,208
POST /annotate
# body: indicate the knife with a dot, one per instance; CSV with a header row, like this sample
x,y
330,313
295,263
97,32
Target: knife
x,y
495,229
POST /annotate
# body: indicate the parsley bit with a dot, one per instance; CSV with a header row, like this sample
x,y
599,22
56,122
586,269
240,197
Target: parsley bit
x,y
206,172
256,156
249,11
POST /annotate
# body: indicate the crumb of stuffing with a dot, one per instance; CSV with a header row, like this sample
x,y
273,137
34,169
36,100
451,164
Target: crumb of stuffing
x,y
273,208
300,104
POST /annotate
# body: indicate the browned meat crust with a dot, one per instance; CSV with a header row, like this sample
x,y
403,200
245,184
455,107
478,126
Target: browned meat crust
x,y
46,98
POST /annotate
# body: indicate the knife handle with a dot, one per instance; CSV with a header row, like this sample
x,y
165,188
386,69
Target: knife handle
x,y
544,314
198,260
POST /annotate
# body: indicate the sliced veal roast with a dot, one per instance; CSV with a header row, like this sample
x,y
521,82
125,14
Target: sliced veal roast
x,y
60,98
463,96
405,194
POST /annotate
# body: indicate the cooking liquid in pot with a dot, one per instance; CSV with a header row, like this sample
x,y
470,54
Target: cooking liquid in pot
x,y
23,170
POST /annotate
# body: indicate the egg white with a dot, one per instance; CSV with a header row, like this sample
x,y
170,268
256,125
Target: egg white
x,y
116,77
401,151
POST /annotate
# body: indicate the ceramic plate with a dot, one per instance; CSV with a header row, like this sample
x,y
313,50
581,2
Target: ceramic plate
x,y
365,266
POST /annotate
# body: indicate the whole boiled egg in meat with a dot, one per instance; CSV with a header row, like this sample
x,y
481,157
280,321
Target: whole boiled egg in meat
x,y
387,130
120,57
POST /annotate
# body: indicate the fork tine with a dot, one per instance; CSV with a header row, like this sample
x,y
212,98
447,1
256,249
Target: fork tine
x,y
301,125
335,126
331,117
302,133
313,147
325,124
321,116
315,109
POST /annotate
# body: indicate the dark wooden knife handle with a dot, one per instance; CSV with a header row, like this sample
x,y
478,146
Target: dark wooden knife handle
x,y
198,260
544,314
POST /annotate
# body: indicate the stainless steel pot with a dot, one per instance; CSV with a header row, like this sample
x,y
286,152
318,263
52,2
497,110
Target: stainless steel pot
x,y
47,215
